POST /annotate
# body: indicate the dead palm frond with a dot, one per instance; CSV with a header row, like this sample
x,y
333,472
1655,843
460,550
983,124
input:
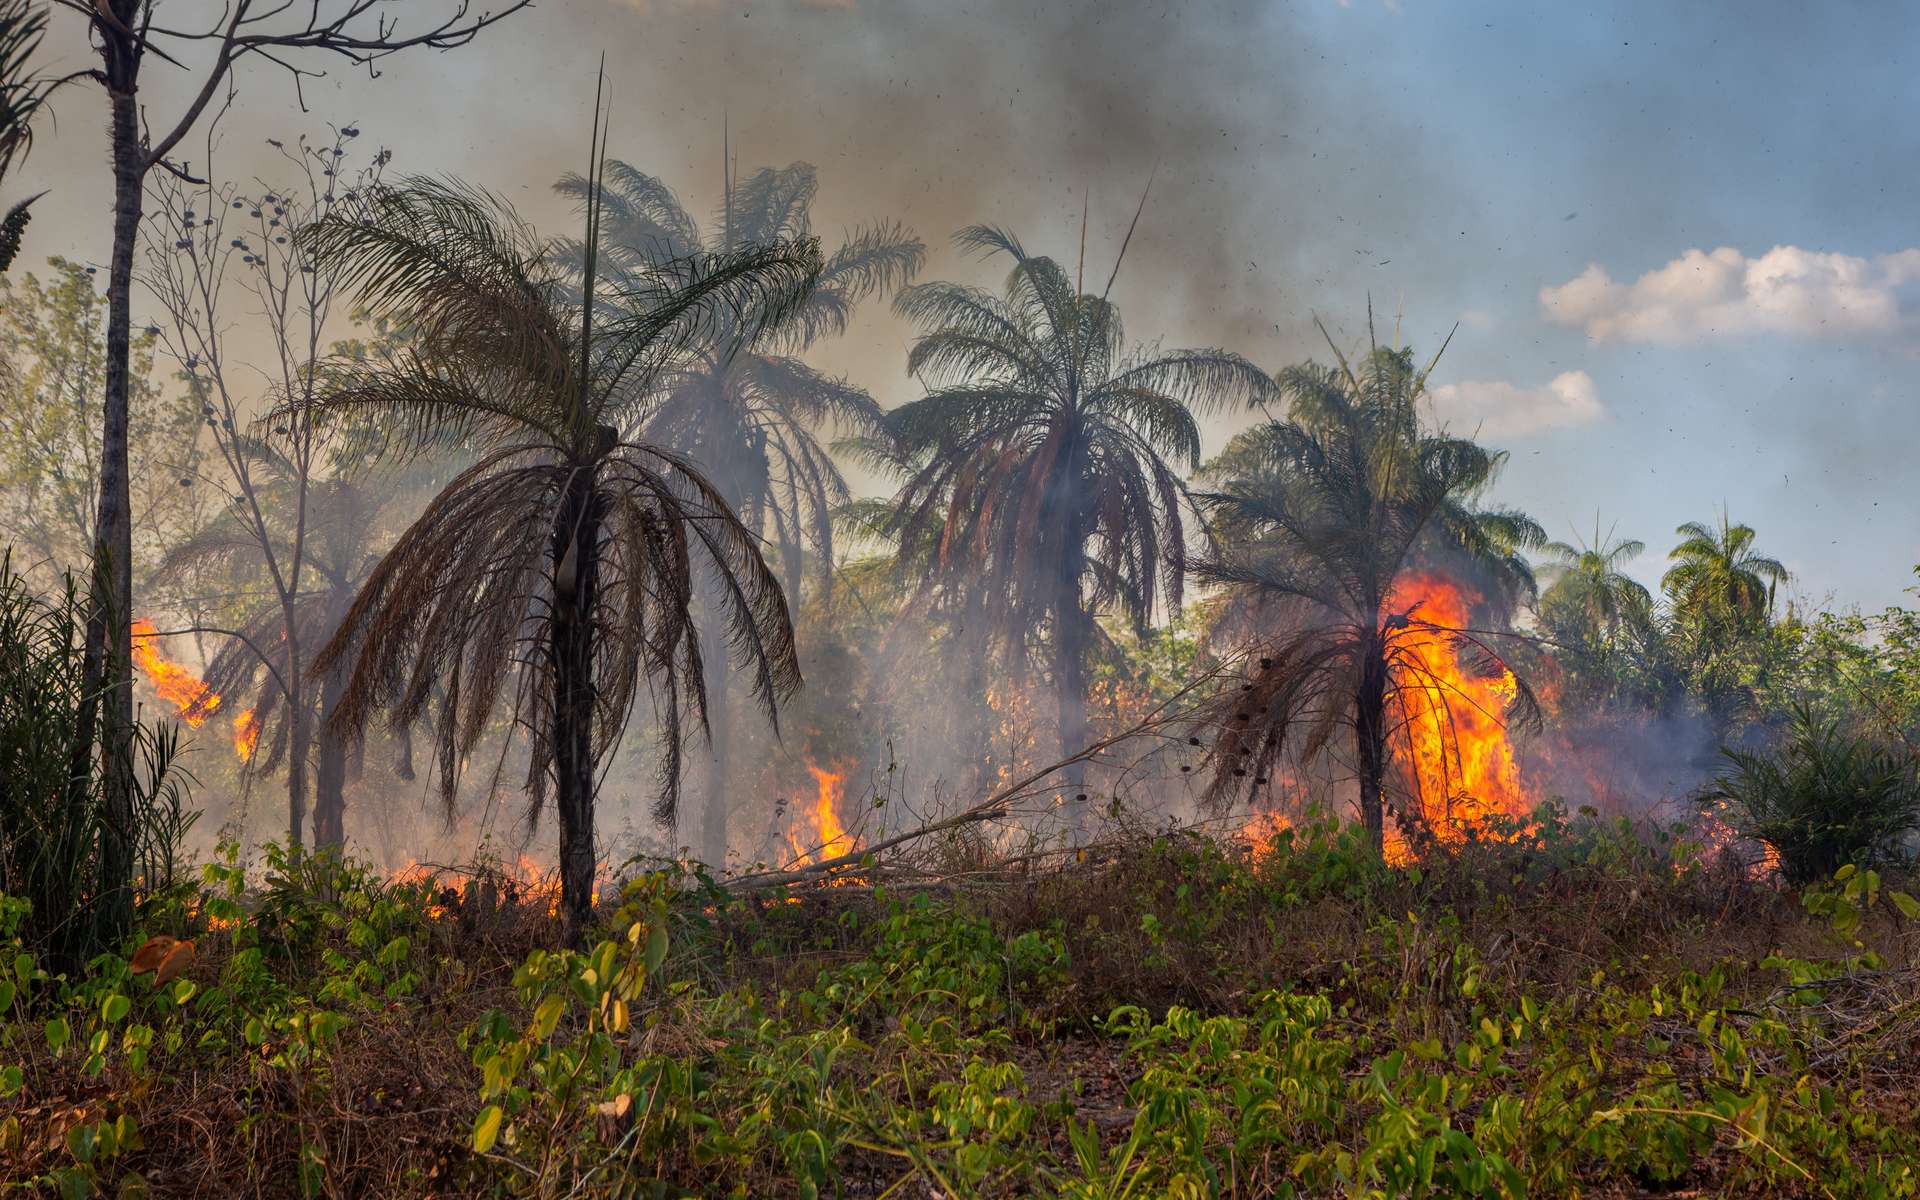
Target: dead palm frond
x,y
23,91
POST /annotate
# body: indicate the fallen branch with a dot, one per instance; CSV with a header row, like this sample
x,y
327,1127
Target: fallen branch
x,y
993,807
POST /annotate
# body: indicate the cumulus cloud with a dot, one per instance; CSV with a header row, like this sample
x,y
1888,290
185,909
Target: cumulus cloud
x,y
1787,290
1497,409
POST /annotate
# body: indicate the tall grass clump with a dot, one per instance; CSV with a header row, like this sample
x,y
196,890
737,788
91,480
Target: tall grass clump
x,y
52,819
1823,800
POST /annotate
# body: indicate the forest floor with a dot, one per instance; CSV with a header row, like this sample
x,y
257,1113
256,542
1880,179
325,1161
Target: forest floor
x,y
1591,1010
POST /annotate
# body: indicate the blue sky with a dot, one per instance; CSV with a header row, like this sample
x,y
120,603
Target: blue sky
x,y
1781,390
1679,240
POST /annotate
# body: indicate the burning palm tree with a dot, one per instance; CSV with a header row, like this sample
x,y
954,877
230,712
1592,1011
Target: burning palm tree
x,y
1040,470
1320,519
745,408
566,556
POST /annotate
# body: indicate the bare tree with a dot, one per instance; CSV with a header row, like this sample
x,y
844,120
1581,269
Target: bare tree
x,y
300,38
204,239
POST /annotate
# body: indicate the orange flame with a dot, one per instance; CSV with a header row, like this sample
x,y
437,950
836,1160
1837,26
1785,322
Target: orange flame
x,y
1262,831
525,874
190,698
1452,720
193,701
246,734
828,837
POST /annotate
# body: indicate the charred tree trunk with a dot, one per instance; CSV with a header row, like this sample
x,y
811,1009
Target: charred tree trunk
x,y
330,770
107,659
713,814
576,570
1370,749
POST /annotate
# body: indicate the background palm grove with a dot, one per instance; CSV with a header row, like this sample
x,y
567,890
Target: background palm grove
x,y
814,613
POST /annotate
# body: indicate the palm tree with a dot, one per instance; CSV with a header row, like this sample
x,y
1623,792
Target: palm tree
x,y
257,672
1040,466
1717,582
1316,519
748,410
1585,580
23,95
566,554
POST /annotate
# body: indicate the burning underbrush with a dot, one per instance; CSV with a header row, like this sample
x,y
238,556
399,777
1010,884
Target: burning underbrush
x,y
1466,771
1580,1007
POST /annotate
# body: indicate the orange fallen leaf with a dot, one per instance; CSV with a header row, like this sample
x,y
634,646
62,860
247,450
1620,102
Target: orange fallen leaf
x,y
177,960
153,952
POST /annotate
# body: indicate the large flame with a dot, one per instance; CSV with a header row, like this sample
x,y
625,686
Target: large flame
x,y
1452,728
192,700
825,835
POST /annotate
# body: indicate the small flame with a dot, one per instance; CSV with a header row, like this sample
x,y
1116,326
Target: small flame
x,y
526,874
828,837
246,734
1262,832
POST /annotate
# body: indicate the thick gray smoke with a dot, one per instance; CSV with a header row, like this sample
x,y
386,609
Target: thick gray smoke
x,y
938,114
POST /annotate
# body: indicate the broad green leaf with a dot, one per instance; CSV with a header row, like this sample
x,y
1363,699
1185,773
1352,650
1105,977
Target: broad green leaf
x,y
656,948
486,1129
547,1016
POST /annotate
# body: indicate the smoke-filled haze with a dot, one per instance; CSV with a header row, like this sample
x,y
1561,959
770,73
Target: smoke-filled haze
x,y
1679,241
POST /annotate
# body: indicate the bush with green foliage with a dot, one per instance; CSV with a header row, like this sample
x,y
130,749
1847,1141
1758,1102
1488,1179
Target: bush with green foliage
x,y
1363,1031
52,820
1825,799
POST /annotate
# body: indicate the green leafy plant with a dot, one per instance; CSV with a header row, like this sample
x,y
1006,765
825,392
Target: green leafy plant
x,y
53,821
1822,801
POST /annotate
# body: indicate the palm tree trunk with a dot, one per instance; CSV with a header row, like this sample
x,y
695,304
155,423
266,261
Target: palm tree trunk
x,y
1071,645
713,814
576,559
1370,749
404,767
107,661
976,713
330,770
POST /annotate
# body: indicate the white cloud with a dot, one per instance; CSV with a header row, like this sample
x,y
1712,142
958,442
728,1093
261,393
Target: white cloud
x,y
1787,290
1495,408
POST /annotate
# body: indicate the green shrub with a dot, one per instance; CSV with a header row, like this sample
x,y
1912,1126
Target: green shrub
x,y
52,827
1825,800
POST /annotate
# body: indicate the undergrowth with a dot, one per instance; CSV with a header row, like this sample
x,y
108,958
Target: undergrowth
x,y
1585,1009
